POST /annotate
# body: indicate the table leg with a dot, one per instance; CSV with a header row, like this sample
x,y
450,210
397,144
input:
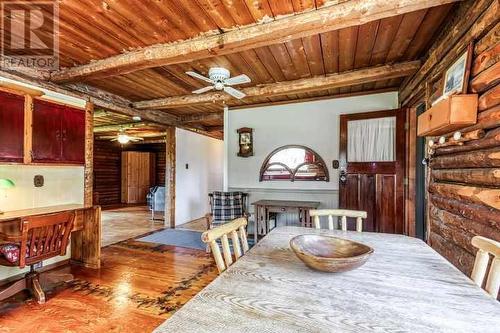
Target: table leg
x,y
256,223
266,225
307,218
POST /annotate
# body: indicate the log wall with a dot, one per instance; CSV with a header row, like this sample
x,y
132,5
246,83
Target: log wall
x,y
107,173
107,169
464,180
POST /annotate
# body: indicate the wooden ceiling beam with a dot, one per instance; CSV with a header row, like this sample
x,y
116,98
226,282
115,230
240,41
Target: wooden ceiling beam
x,y
214,128
311,99
118,127
198,117
344,79
147,134
96,96
324,19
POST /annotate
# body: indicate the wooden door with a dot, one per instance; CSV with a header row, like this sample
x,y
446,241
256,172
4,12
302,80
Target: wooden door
x,y
372,179
136,176
73,135
11,127
47,143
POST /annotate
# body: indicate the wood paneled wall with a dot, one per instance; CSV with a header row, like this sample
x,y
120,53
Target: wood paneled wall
x,y
464,180
161,167
107,169
107,173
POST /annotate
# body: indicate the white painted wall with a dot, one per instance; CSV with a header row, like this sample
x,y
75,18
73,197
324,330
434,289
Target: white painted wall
x,y
312,124
63,185
204,156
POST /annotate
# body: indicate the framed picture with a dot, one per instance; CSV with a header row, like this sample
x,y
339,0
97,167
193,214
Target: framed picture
x,y
457,75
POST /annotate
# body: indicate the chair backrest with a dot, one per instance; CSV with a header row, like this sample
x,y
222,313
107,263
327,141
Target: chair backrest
x,y
227,206
44,237
234,230
486,247
342,213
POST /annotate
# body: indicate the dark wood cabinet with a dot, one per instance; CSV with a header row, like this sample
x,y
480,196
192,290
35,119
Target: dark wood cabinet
x,y
46,132
11,127
73,135
58,133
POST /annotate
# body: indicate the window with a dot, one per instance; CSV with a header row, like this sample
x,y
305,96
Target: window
x,y
294,163
371,140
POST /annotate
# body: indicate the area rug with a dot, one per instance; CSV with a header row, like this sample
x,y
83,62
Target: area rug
x,y
181,238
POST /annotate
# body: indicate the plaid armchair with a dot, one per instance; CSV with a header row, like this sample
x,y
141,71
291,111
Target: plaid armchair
x,y
225,207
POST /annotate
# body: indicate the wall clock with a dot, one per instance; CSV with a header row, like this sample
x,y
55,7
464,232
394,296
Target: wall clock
x,y
245,142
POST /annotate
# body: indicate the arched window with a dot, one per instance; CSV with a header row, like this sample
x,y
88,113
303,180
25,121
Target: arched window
x,y
293,163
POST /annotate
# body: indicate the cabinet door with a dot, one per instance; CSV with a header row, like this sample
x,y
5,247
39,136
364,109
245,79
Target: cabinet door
x,y
136,179
73,135
47,145
11,127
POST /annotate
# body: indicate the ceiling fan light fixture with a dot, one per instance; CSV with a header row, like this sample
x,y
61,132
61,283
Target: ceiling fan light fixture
x,y
123,138
219,86
221,80
136,118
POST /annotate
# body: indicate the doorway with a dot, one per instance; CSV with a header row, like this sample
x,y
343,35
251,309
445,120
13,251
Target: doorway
x,y
123,175
420,178
372,158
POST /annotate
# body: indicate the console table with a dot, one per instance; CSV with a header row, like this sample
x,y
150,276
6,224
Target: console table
x,y
85,236
263,209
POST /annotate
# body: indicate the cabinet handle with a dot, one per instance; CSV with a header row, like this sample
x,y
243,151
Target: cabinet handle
x,y
64,135
58,134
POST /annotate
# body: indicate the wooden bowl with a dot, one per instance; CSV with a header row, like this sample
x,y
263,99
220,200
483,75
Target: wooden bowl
x,y
330,254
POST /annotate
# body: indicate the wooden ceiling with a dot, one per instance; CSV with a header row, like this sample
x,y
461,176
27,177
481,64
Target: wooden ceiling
x,y
97,29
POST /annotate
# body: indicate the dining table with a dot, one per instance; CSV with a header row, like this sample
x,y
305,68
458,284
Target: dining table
x,y
405,286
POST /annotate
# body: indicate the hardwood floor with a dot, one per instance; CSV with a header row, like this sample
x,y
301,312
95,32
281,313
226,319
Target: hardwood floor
x,y
138,287
127,222
195,225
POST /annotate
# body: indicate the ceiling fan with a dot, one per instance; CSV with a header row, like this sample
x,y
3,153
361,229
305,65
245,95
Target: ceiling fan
x,y
221,79
124,138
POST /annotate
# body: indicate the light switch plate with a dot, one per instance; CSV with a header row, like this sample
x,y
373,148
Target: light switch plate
x,y
38,181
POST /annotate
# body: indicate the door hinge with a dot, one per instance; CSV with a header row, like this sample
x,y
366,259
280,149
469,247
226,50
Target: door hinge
x,y
406,181
407,126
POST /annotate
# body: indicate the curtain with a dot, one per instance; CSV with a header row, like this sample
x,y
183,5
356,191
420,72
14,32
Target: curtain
x,y
371,140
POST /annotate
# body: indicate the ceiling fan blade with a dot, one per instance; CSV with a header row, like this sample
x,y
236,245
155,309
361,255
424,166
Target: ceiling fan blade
x,y
199,76
235,93
240,79
202,90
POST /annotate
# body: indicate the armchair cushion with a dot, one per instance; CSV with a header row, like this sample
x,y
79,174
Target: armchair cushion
x,y
227,206
10,252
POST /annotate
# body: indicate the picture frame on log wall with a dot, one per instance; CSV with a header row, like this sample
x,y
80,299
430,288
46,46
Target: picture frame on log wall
x,y
456,77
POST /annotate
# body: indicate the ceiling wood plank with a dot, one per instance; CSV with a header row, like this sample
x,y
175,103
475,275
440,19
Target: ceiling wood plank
x,y
327,18
371,74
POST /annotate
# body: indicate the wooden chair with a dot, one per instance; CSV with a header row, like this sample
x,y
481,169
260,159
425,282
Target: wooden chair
x,y
42,237
226,207
232,229
485,248
342,213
